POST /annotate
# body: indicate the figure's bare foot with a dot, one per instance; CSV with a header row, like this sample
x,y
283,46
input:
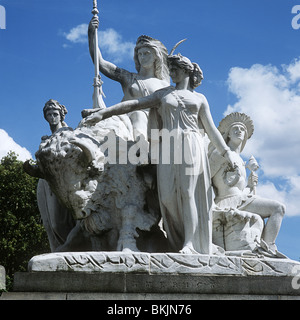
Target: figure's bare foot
x,y
127,245
188,249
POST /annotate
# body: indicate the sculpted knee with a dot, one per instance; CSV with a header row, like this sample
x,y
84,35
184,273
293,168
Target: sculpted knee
x,y
282,209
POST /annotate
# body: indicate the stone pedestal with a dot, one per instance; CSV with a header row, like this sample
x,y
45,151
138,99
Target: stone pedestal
x,y
2,278
117,275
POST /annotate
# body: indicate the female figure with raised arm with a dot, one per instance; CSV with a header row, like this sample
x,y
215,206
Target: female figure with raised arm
x,y
150,57
185,195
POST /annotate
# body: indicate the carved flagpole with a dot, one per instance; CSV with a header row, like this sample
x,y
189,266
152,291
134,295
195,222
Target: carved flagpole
x,y
98,93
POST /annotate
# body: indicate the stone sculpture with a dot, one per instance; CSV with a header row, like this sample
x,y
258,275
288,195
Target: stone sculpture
x,y
2,278
57,219
118,205
184,187
150,60
138,176
110,200
54,114
239,214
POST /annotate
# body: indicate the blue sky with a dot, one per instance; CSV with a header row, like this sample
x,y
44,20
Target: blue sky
x,y
248,51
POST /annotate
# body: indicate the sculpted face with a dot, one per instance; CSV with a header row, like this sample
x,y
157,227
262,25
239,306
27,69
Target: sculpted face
x,y
146,57
53,117
177,74
237,133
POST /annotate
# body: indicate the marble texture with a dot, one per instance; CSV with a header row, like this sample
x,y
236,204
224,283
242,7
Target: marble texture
x,y
101,194
242,219
161,263
2,278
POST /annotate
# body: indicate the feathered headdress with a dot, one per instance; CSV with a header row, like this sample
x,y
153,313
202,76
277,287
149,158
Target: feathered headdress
x,y
236,118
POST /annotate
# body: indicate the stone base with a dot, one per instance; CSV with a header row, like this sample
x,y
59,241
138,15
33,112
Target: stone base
x,y
118,275
140,298
144,276
132,283
162,264
2,278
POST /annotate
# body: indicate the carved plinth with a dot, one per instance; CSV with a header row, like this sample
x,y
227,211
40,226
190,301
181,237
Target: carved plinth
x,y
160,263
169,273
2,278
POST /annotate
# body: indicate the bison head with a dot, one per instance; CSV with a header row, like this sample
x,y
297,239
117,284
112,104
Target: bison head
x,y
71,162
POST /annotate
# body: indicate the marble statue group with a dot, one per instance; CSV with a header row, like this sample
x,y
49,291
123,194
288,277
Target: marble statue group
x,y
188,189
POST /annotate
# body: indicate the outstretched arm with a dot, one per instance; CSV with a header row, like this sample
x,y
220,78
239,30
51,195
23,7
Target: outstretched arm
x,y
214,134
122,108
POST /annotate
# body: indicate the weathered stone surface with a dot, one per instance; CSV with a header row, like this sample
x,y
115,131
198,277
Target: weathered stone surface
x,y
233,233
138,296
91,262
69,282
2,278
140,283
194,263
160,263
170,274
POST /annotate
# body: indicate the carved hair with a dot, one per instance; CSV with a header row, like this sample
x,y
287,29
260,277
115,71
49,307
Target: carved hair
x,y
161,70
196,74
53,104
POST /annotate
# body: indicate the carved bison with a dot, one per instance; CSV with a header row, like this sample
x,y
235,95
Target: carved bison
x,y
112,203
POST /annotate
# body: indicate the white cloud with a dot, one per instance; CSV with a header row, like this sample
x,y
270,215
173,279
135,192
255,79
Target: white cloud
x,y
77,34
8,144
294,70
287,194
271,97
111,42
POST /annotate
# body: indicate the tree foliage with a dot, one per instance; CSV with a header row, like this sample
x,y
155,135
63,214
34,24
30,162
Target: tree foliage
x,y
21,232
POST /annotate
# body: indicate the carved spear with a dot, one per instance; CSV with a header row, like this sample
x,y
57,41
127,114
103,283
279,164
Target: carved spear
x,y
98,93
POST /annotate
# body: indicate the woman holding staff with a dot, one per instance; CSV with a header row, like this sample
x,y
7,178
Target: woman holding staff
x,y
185,199
150,57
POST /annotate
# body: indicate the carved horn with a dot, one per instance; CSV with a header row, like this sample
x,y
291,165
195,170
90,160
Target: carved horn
x,y
32,170
86,149
176,45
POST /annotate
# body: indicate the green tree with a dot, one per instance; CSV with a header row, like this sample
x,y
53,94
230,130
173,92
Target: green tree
x,y
22,234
